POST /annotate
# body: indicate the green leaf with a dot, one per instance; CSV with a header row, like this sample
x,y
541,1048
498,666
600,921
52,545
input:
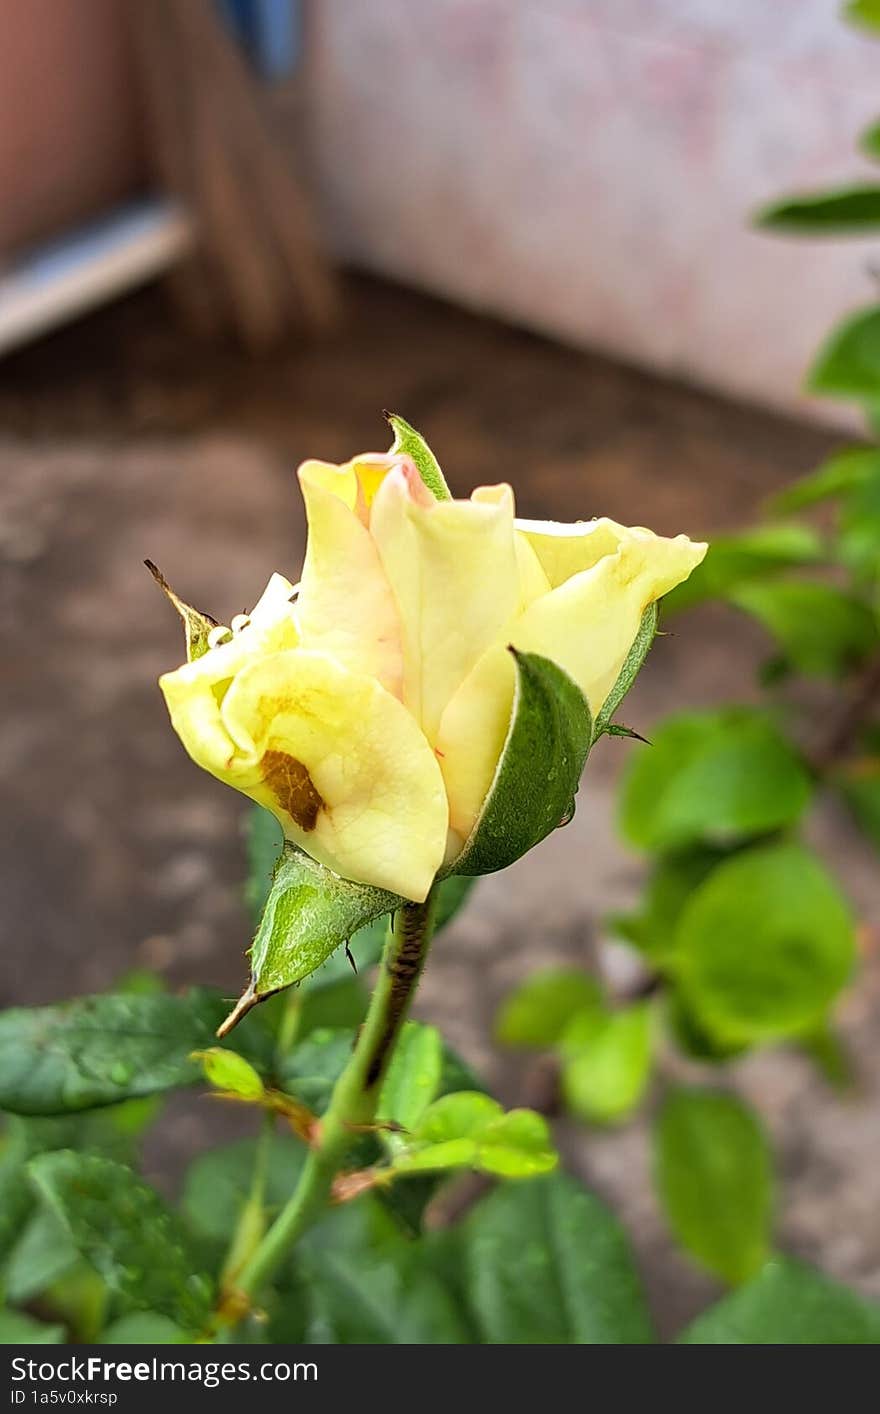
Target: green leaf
x,y
788,1303
196,625
264,845
547,1264
218,1182
652,928
629,672
44,1253
103,1049
847,211
692,1035
714,778
362,1283
540,766
408,442
858,530
752,554
536,1013
310,912
471,1130
311,1069
863,12
820,629
843,473
17,1329
869,141
123,1229
413,1078
765,945
452,895
859,784
714,1173
226,1070
264,841
604,1077
144,1328
848,364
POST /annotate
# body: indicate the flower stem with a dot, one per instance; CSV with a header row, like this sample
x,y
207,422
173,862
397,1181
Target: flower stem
x,y
353,1103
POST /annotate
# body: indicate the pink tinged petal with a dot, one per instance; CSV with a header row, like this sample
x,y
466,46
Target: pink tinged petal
x,y
345,606
354,483
453,569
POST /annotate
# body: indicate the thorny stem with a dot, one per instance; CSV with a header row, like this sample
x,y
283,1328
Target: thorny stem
x,y
353,1103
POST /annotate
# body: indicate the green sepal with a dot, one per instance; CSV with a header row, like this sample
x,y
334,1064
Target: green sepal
x,y
628,673
196,625
408,442
618,729
309,913
550,732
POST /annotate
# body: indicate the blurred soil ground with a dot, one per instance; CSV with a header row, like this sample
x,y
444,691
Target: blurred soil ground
x,y
121,438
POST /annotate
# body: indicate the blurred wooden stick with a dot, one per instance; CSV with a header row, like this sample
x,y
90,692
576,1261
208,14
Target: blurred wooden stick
x,y
214,148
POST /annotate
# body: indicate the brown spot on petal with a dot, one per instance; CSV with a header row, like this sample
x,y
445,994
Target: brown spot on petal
x,y
292,787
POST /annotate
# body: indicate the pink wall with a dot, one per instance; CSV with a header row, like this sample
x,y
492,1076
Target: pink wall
x,y
69,144
586,167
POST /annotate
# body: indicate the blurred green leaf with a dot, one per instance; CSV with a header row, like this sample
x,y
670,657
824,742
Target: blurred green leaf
x,y
471,1130
714,1174
17,1329
536,1013
605,1077
226,1070
712,777
858,530
819,628
44,1252
263,838
859,784
217,1184
788,1303
869,141
414,1077
848,364
144,1328
752,554
547,1264
652,928
311,1069
826,1049
841,474
342,1003
359,1282
847,211
99,1050
695,1039
863,12
123,1229
765,944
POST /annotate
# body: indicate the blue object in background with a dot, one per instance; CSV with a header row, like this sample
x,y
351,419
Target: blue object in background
x,y
269,31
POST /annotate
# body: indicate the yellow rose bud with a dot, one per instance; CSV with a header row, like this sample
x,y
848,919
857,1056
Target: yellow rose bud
x,y
369,710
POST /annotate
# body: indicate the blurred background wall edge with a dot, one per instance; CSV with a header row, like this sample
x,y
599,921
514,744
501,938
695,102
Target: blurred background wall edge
x,y
586,170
